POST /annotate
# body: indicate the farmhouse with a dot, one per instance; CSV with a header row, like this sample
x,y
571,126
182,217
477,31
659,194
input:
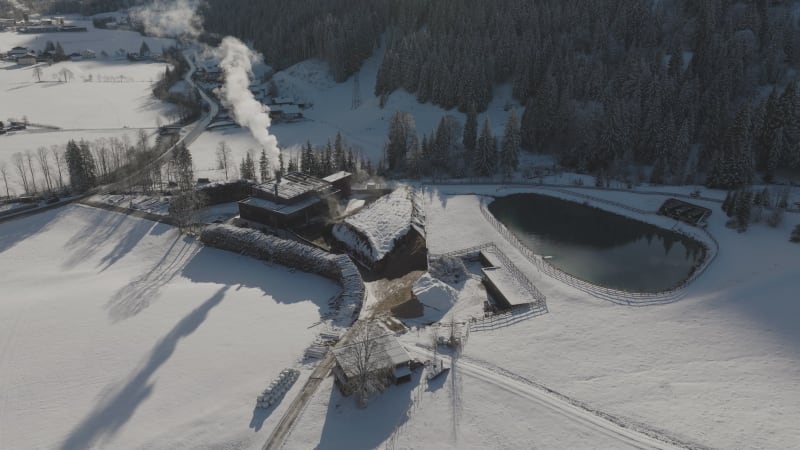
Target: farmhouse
x,y
285,113
26,60
292,199
16,52
386,357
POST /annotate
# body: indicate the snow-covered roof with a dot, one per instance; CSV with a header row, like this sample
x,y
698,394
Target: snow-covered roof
x,y
382,223
285,109
281,208
294,185
502,278
388,353
337,176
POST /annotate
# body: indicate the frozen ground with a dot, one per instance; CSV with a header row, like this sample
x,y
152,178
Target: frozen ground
x,y
719,368
116,332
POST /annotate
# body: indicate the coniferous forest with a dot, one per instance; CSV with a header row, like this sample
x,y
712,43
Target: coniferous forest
x,y
701,90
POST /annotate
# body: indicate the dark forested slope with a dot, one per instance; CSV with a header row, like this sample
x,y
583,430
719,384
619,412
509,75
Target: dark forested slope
x,y
685,85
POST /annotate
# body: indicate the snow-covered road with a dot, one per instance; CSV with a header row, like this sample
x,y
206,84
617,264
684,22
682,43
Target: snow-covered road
x,y
584,418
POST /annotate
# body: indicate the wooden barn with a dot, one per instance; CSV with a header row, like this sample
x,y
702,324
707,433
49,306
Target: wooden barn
x,y
386,356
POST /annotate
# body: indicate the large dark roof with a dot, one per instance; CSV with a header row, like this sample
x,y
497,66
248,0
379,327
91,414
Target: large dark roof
x,y
293,185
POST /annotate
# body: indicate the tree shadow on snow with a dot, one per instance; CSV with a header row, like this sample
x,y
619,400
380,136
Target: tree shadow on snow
x,y
101,227
114,411
16,231
138,294
283,284
348,426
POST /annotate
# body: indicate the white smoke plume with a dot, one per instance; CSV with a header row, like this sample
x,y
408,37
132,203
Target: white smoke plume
x,y
236,61
176,18
179,18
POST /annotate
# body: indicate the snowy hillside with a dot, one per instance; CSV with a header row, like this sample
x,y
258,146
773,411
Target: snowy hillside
x,y
117,332
365,126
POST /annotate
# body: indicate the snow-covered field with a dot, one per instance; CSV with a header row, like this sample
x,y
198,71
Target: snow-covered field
x,y
94,39
104,97
116,332
718,368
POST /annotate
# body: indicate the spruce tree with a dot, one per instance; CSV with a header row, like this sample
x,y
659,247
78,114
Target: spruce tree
x,y
795,236
263,166
509,151
182,162
88,164
307,159
471,129
339,160
486,152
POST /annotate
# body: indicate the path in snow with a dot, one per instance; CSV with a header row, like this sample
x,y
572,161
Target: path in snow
x,y
566,409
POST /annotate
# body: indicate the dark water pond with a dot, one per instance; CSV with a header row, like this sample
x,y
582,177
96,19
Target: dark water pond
x,y
597,246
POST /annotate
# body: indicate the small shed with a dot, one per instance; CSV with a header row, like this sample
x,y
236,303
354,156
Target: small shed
x,y
506,285
26,60
341,181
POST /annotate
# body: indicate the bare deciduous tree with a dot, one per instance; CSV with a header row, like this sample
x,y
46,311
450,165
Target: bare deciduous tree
x,y
19,163
223,157
60,164
41,156
366,356
4,174
37,73
29,159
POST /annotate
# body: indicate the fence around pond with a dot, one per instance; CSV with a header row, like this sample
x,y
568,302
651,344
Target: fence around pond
x,y
613,295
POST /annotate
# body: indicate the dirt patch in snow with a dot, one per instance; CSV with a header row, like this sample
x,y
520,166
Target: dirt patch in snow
x,y
394,292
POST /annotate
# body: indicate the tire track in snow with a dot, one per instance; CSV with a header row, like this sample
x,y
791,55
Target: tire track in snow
x,y
602,423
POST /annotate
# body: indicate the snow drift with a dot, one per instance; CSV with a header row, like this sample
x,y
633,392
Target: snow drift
x,y
434,293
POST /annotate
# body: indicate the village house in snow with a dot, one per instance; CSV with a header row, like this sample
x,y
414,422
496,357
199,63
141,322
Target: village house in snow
x,y
26,60
387,357
292,199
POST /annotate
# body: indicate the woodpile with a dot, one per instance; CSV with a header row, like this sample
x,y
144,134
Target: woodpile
x,y
296,255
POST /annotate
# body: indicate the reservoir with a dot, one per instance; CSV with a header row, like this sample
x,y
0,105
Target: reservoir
x,y
597,246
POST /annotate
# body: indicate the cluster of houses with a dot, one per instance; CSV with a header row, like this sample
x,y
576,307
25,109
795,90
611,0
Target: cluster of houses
x,y
281,109
27,57
39,25
12,125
